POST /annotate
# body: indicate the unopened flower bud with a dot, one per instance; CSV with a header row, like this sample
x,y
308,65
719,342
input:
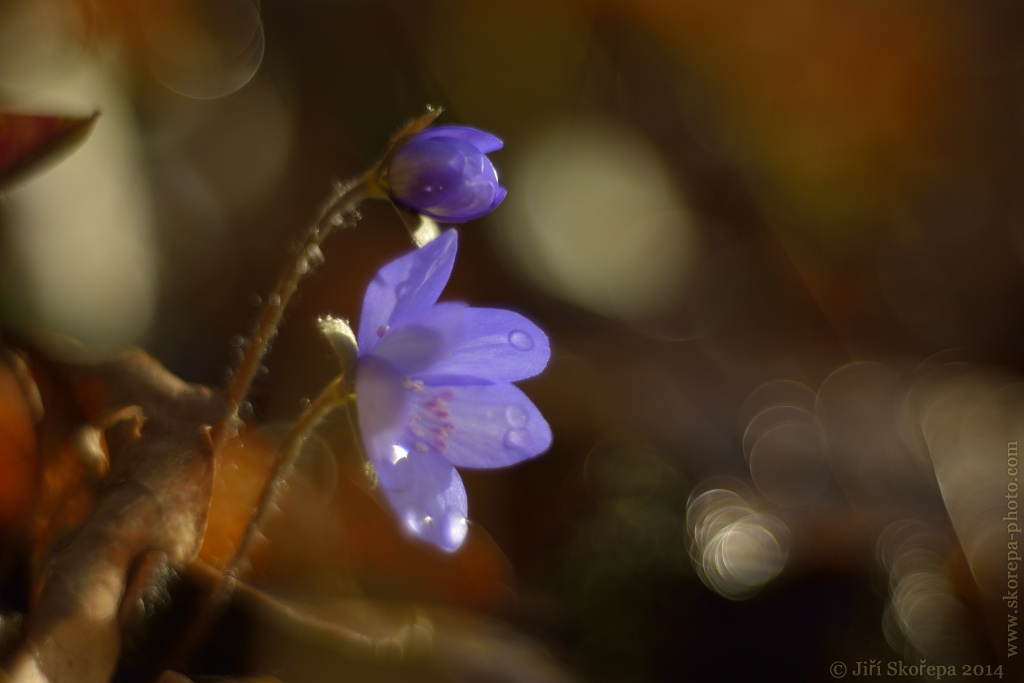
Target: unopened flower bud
x,y
444,173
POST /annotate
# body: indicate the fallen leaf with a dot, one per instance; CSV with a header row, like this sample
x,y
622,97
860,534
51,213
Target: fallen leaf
x,y
150,500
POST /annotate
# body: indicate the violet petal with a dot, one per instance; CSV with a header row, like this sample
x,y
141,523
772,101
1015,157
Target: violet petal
x,y
479,426
483,141
418,342
427,494
382,402
494,345
404,286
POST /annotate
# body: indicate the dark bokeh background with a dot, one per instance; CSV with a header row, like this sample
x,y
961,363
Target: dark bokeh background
x,y
777,246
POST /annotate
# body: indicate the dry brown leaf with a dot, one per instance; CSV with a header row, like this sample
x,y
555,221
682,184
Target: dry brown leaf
x,y
153,500
347,534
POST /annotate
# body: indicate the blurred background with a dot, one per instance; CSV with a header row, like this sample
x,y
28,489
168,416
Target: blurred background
x,y
777,247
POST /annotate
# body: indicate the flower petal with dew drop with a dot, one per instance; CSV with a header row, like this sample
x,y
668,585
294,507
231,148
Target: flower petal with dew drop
x,y
433,391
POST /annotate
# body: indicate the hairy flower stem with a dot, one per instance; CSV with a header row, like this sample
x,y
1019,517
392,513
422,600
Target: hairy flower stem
x,y
330,398
338,211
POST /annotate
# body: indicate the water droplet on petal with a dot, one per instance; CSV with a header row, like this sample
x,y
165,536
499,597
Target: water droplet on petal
x,y
417,520
516,416
397,473
457,530
382,330
517,439
521,341
398,453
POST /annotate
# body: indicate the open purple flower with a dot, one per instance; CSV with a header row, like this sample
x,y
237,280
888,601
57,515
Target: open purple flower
x,y
433,390
444,173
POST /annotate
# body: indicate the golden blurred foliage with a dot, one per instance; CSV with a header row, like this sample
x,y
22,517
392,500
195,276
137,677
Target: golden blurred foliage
x,y
830,105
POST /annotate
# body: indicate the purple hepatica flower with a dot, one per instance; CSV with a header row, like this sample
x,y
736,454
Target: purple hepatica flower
x,y
444,173
433,390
